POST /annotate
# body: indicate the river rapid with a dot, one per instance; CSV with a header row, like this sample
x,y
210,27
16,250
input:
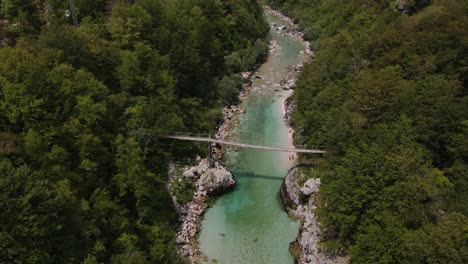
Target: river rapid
x,y
248,225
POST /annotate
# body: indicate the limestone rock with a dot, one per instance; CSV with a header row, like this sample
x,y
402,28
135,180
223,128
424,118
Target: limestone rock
x,y
180,240
209,177
310,186
202,167
188,174
410,7
216,180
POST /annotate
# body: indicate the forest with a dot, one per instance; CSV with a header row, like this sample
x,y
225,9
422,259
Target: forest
x,y
87,93
386,96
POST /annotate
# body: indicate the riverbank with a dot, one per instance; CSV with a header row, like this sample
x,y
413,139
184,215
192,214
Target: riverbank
x,y
300,195
232,111
306,56
248,225
263,112
209,178
230,114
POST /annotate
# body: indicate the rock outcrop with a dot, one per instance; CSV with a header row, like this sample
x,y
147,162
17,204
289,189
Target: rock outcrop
x,y
293,194
299,199
410,7
208,178
310,186
215,180
288,110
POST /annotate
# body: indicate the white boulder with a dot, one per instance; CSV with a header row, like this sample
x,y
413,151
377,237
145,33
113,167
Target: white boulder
x,y
216,179
310,186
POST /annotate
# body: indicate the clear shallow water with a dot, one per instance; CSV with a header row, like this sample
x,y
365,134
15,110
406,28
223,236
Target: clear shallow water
x,y
248,224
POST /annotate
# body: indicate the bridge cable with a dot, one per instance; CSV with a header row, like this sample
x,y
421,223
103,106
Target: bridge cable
x,y
73,14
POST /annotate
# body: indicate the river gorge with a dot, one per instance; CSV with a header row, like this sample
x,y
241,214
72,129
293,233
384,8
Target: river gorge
x,y
249,225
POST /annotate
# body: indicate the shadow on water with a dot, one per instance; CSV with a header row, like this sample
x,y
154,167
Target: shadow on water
x,y
257,176
251,216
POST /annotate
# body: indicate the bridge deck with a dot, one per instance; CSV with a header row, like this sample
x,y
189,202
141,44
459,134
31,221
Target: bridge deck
x,y
243,145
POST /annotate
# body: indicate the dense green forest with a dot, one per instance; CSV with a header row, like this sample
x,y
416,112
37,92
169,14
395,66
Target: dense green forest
x,y
386,95
82,112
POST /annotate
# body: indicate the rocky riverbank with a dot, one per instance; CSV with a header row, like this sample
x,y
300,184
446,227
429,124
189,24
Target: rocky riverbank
x,y
299,196
208,178
231,112
289,29
289,82
288,110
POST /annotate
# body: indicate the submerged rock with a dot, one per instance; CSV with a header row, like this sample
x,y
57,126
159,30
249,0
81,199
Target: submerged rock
x,y
295,250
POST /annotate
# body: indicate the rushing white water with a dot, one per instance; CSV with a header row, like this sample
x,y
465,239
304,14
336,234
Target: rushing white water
x,y
248,224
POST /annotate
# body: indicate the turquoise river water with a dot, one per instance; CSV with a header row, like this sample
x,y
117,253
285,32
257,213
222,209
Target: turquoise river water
x,y
248,224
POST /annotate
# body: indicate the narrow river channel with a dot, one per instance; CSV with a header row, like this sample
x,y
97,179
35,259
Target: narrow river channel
x,y
248,224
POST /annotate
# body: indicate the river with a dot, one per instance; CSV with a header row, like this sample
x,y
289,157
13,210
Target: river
x,y
248,224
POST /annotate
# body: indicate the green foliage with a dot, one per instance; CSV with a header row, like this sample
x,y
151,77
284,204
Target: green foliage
x,y
84,112
380,243
386,96
92,8
444,242
129,24
230,87
183,190
38,217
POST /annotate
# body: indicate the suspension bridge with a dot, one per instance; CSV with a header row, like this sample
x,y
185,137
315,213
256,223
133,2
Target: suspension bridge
x,y
209,139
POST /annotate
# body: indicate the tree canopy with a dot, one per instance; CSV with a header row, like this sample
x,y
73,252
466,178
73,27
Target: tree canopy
x,y
83,111
386,95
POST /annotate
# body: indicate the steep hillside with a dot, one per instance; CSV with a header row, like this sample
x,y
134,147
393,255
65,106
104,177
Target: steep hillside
x,y
386,96
83,109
